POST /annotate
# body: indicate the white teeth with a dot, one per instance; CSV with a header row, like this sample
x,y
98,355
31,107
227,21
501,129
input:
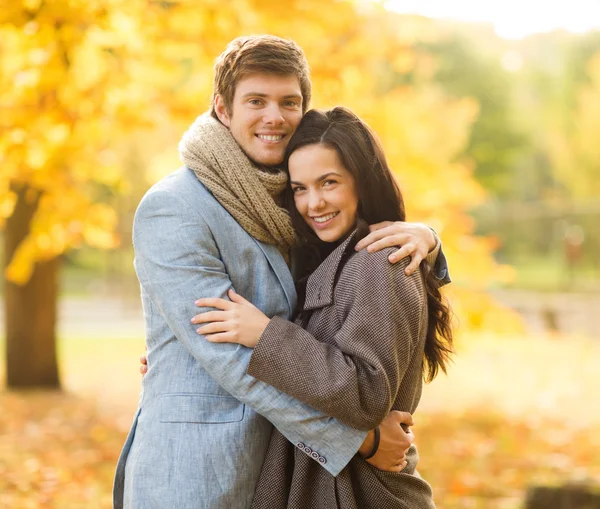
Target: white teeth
x,y
266,137
326,218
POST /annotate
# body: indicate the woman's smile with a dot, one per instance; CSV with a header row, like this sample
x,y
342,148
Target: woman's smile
x,y
325,220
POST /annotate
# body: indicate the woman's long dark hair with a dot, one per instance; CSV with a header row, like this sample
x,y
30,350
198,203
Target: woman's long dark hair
x,y
379,199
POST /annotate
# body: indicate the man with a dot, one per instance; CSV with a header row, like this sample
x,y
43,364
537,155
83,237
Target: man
x,y
200,434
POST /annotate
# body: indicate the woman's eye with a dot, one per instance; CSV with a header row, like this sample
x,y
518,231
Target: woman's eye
x,y
328,182
296,189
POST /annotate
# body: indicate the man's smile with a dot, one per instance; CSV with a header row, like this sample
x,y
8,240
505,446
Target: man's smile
x,y
270,138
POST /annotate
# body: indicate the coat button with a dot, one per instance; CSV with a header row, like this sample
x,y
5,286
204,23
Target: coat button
x,y
322,460
315,455
308,450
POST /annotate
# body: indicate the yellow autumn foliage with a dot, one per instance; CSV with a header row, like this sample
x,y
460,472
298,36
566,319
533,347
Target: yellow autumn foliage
x,y
575,150
78,78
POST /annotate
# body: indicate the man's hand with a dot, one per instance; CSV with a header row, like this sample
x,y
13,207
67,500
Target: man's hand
x,y
395,440
416,240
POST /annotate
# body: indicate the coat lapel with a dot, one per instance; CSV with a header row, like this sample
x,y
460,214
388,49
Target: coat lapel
x,y
320,284
281,271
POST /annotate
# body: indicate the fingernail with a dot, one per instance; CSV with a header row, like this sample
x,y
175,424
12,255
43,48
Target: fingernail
x,y
197,303
392,258
198,331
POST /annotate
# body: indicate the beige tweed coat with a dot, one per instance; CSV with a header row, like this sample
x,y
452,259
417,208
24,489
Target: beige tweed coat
x,y
355,353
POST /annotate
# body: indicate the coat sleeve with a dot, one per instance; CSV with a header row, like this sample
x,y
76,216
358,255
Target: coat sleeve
x,y
177,262
437,260
355,380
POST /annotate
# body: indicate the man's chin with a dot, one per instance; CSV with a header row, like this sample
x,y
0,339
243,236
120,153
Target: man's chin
x,y
267,160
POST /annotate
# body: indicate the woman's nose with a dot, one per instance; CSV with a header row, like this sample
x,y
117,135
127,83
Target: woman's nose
x,y
316,201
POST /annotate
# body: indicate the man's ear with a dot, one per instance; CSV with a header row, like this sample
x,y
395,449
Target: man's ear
x,y
221,111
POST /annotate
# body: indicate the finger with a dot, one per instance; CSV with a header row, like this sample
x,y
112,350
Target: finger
x,y
210,316
401,467
410,435
415,261
143,360
403,417
223,337
236,297
403,252
212,328
373,237
400,460
379,226
388,241
214,303
143,370
395,240
387,468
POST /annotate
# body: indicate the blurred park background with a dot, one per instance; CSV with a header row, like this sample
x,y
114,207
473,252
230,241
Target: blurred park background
x,y
491,121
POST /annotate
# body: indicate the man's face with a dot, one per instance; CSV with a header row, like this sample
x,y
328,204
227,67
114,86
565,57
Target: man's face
x,y
265,112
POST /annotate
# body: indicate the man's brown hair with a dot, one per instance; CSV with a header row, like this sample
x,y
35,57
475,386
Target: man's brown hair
x,y
264,54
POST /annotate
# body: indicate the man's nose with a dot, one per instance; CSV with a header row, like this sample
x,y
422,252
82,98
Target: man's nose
x,y
272,115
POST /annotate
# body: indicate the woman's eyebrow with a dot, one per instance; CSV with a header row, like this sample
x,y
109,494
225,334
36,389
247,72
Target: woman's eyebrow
x,y
329,174
319,179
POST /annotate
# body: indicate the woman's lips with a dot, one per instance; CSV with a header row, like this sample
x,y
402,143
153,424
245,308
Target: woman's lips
x,y
324,224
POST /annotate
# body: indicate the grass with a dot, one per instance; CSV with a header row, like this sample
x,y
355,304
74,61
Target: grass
x,y
513,411
550,274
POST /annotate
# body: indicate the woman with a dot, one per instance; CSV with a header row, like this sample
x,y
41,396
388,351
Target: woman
x,y
366,335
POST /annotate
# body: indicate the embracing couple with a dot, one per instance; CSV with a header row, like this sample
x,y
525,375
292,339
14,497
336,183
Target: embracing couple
x,y
290,322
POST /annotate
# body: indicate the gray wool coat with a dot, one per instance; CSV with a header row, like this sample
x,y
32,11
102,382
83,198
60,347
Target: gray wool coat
x,y
354,353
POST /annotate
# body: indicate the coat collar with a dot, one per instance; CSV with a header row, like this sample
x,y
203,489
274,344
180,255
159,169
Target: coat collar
x,y
320,284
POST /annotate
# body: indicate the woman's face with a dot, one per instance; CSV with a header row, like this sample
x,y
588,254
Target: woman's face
x,y
324,191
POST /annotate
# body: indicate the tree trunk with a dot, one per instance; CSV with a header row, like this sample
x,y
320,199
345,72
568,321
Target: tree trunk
x,y
30,310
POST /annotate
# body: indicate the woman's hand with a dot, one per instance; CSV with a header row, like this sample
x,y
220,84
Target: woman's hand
x,y
238,321
143,364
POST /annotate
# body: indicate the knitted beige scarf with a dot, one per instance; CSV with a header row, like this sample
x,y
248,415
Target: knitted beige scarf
x,y
249,193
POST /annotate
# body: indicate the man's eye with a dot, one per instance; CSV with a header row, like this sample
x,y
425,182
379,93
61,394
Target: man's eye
x,y
254,102
292,104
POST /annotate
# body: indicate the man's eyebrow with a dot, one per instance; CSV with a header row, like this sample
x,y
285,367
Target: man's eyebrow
x,y
255,94
262,94
321,178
